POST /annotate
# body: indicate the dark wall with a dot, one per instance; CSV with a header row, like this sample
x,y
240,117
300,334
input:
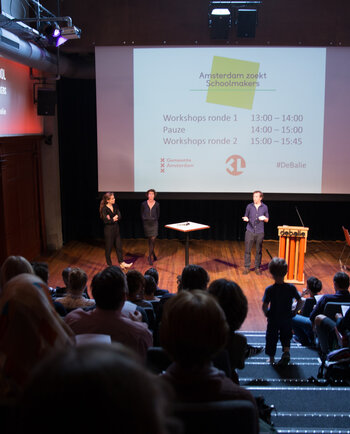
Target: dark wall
x,y
185,22
80,197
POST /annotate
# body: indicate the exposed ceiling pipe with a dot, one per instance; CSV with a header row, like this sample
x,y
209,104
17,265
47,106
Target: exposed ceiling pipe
x,y
25,52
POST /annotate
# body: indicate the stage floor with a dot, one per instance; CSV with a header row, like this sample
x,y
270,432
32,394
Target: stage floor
x,y
222,259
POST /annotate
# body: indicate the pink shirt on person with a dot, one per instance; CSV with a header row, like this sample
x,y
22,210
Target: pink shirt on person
x,y
132,334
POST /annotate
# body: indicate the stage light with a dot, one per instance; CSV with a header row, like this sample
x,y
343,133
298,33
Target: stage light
x,y
71,32
52,32
220,22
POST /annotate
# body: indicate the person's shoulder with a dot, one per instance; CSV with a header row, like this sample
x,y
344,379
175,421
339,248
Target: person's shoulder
x,y
77,314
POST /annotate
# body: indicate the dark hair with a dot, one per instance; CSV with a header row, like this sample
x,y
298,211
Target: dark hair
x,y
260,192
314,284
109,288
193,328
150,285
81,374
65,275
151,189
104,200
278,267
194,277
154,273
134,279
232,300
41,269
341,279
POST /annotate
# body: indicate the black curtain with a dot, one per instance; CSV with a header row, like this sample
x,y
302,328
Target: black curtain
x,y
80,197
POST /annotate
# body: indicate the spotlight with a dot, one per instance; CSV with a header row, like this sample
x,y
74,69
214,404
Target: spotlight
x,y
220,22
53,34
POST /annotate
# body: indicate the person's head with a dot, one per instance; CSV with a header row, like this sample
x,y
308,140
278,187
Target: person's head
x,y
13,266
150,285
194,277
257,196
107,199
314,285
193,328
178,283
154,273
278,267
105,379
341,281
77,280
29,327
65,275
109,288
151,194
232,300
136,285
41,269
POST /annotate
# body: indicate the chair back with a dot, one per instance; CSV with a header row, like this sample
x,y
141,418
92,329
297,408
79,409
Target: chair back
x,y
333,307
347,236
219,417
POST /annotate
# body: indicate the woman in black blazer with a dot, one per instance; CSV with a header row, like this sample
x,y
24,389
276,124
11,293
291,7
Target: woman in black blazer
x,y
150,215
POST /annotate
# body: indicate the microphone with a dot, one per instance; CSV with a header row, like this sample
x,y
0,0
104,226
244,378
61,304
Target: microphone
x,y
302,223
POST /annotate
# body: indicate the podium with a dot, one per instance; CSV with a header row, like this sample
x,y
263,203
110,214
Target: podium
x,y
292,247
187,227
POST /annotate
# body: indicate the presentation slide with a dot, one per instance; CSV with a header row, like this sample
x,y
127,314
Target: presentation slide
x,y
18,114
221,119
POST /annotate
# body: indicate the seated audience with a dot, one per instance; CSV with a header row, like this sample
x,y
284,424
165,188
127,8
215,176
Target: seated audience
x,y
109,289
235,306
194,277
136,286
41,269
154,273
62,290
29,330
77,280
12,266
341,289
301,323
94,388
193,331
150,289
277,307
305,327
331,334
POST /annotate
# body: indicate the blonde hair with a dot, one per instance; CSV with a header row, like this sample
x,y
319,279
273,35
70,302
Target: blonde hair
x,y
12,266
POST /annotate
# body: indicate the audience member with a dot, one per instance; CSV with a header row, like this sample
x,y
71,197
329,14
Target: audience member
x,y
194,277
150,289
332,334
77,280
62,290
29,330
301,323
154,273
193,331
341,289
235,306
13,266
277,307
109,289
136,286
94,388
41,269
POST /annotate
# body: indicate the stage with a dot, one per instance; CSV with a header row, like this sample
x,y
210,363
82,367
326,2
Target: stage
x,y
222,259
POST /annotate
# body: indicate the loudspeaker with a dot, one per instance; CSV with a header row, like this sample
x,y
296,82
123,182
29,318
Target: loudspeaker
x,y
246,23
46,102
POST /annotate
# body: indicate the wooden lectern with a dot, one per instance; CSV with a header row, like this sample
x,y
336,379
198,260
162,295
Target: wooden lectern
x,y
292,247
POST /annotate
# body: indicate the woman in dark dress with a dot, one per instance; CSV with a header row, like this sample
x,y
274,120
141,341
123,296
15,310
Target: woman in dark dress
x,y
110,214
150,214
